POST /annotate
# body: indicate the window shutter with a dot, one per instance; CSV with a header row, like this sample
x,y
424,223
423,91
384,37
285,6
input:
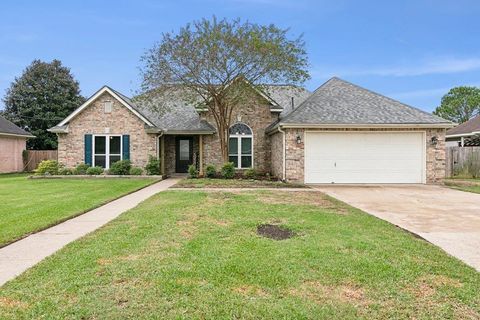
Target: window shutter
x,y
88,149
126,147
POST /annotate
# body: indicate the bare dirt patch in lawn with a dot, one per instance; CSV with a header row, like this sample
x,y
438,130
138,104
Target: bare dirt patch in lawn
x,y
427,286
251,291
319,293
274,232
11,303
317,199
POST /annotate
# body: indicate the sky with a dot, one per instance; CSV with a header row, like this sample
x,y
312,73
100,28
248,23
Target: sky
x,y
412,51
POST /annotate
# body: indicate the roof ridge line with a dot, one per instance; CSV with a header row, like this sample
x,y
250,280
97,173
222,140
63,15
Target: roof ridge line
x,y
306,100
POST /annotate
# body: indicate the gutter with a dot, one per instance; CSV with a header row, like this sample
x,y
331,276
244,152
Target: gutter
x,y
368,125
474,133
17,135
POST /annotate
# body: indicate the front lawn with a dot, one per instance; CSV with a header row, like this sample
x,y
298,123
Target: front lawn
x,y
234,183
29,205
469,185
193,254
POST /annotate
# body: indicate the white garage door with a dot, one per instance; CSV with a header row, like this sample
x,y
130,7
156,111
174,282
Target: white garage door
x,y
367,157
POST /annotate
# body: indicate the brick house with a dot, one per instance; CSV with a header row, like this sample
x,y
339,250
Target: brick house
x,y
13,141
340,133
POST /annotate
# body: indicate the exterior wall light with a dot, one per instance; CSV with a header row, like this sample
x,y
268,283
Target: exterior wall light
x,y
434,141
299,139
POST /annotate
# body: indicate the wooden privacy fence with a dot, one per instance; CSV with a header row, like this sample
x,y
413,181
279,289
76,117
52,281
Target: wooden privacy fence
x,y
457,158
33,157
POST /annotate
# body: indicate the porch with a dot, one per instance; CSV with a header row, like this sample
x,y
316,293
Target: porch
x,y
178,152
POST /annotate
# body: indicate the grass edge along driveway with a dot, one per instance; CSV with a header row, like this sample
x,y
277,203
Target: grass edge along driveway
x,y
194,254
31,205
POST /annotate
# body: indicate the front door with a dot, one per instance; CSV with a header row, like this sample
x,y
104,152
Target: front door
x,y
184,153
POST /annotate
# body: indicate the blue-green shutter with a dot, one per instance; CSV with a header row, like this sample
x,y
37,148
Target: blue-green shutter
x,y
126,147
88,149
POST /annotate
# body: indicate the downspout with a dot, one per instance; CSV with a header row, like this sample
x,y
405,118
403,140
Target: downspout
x,y
284,173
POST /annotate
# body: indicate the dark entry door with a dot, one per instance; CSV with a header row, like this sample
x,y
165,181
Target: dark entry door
x,y
183,153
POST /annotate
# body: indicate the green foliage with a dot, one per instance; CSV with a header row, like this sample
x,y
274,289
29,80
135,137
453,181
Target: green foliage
x,y
136,171
153,166
47,167
208,55
81,169
210,171
228,170
459,104
40,98
250,173
95,171
192,171
345,264
120,168
48,202
65,171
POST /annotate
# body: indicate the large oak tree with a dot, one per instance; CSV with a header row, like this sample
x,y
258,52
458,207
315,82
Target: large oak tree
x,y
40,98
218,60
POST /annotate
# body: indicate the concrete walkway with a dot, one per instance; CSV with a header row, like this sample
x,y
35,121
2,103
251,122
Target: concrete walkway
x,y
25,253
445,217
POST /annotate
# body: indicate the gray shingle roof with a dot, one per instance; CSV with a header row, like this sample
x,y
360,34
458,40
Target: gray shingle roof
x,y
340,102
175,109
10,128
472,125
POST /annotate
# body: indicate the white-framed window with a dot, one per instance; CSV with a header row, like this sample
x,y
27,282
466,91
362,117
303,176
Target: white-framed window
x,y
107,149
240,146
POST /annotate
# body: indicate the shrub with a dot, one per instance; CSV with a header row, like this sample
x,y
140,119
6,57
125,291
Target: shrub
x,y
192,171
153,166
94,171
250,173
65,171
81,168
228,170
136,171
47,167
120,168
210,171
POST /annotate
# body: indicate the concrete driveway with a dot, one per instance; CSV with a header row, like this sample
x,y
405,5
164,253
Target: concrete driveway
x,y
447,218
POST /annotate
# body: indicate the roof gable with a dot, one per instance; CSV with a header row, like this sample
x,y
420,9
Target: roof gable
x,y
126,102
338,102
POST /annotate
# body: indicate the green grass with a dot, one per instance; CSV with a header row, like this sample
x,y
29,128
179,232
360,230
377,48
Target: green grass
x,y
29,205
468,185
234,183
192,254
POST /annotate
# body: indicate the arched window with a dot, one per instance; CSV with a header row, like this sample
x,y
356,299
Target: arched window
x,y
240,145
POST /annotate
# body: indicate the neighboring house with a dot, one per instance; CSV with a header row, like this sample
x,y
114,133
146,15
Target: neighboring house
x,y
13,140
466,134
340,133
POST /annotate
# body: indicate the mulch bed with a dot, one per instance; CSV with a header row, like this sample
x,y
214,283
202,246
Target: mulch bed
x,y
274,232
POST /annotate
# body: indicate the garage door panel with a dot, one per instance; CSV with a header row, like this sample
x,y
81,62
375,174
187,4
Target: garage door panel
x,y
396,157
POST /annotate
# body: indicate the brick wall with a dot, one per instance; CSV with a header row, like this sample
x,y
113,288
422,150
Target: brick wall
x,y
435,155
276,145
11,149
94,120
254,112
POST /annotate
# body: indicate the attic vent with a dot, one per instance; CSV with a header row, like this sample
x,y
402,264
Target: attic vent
x,y
108,106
